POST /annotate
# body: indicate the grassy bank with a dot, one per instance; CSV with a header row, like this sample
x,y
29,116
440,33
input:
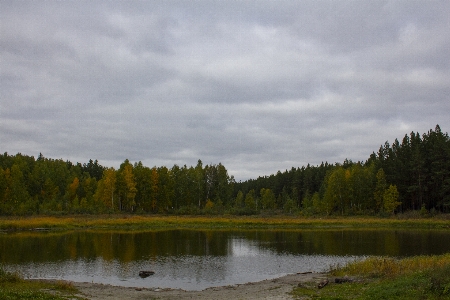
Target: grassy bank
x,y
13,286
150,222
421,277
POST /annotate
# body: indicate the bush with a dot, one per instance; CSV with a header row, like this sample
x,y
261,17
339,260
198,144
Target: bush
x,y
189,210
440,281
9,277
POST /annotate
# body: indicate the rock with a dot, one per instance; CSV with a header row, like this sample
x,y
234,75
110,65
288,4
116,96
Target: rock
x,y
322,284
145,274
343,280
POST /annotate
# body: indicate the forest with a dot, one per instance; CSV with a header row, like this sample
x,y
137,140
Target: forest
x,y
410,175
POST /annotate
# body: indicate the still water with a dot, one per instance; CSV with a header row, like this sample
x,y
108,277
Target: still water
x,y
196,259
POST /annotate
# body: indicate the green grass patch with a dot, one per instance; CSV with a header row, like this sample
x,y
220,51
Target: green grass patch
x,y
14,287
421,277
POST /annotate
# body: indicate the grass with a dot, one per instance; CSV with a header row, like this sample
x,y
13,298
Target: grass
x,y
421,277
154,222
13,286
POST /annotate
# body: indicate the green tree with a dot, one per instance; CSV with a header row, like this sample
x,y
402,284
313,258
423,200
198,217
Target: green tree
x,y
154,189
199,182
239,200
380,188
437,146
88,187
319,204
3,190
94,169
390,199
143,187
49,197
267,199
15,193
307,201
166,189
336,193
360,185
225,185
289,206
417,169
193,186
250,200
180,186
210,173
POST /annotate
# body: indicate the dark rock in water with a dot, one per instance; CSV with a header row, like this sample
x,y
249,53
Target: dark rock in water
x,y
144,274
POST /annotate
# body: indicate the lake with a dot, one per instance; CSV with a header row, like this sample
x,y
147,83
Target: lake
x,y
198,259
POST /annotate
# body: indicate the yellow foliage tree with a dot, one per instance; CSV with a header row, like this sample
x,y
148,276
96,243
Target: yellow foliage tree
x,y
209,205
129,187
390,198
106,187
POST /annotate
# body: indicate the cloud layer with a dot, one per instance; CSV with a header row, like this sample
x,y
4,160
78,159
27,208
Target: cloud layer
x,y
259,86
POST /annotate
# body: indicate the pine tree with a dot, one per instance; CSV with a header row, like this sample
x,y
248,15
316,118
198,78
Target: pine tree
x,y
143,183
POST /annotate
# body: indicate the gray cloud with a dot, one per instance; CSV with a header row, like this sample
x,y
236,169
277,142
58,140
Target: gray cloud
x,y
258,86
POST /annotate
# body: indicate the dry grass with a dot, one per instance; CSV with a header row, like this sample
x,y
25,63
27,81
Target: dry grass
x,y
155,221
420,277
64,286
391,267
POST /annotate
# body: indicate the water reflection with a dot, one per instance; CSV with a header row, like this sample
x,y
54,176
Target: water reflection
x,y
195,259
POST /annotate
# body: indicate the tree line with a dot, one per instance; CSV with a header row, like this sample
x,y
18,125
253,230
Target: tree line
x,y
44,186
413,174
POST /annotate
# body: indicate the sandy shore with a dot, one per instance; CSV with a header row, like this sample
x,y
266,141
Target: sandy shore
x,y
278,288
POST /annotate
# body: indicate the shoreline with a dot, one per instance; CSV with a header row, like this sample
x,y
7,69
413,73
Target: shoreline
x,y
224,222
278,288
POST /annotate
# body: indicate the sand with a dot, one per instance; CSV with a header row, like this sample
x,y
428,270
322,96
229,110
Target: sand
x,y
278,289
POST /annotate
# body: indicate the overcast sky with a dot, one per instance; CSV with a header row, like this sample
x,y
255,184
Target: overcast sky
x,y
258,86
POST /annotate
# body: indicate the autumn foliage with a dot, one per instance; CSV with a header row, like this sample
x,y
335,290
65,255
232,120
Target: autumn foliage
x,y
411,175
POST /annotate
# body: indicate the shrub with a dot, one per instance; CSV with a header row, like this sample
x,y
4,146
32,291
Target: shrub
x,y
9,277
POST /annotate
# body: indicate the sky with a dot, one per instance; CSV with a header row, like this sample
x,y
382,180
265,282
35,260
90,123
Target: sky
x,y
258,86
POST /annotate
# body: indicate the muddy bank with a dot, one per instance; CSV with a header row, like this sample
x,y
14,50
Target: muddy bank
x,y
278,288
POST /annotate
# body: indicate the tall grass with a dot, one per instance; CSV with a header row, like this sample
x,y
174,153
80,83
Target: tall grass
x,y
380,278
152,221
9,276
388,267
